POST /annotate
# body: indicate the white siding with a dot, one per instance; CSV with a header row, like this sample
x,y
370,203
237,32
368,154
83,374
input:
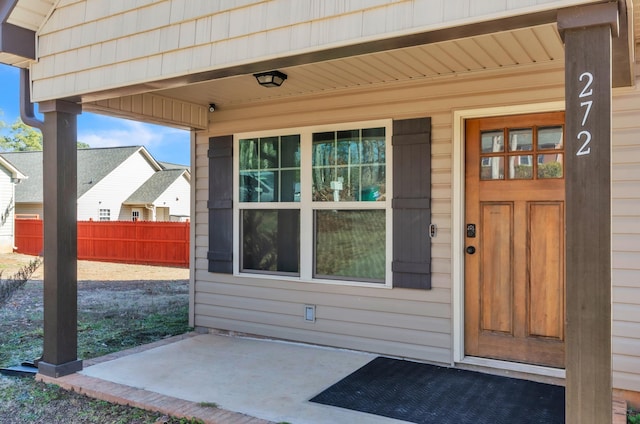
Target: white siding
x,y
87,46
407,323
176,199
7,209
115,188
626,239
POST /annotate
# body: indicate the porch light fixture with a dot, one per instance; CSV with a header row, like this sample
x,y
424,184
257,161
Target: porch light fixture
x,y
271,78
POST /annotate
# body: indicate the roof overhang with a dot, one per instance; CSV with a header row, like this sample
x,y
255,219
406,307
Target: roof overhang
x,y
533,39
16,175
17,44
234,85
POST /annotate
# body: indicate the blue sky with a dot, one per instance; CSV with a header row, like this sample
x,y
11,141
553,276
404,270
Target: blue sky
x,y
165,144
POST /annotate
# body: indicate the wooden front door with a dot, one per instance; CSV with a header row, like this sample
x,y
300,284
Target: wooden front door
x,y
514,238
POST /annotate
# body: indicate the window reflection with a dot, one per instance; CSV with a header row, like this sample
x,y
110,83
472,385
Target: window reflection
x,y
350,244
543,158
492,168
521,140
521,167
271,240
492,141
550,166
270,169
349,165
550,138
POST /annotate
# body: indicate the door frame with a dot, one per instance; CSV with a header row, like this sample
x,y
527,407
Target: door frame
x,y
457,234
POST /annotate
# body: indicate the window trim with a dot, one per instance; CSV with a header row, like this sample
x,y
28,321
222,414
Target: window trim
x,y
307,206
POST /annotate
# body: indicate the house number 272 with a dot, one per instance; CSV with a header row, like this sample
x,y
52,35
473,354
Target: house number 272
x,y
584,136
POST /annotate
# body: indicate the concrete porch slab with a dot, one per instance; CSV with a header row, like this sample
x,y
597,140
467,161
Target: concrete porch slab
x,y
253,381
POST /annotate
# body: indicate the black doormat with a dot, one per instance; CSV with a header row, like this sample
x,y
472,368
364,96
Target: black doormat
x,y
428,394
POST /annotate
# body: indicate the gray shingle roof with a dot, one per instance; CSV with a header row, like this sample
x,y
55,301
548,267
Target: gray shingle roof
x,y
93,166
12,169
154,187
169,165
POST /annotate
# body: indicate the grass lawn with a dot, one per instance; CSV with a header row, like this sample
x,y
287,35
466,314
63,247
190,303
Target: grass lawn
x,y
112,316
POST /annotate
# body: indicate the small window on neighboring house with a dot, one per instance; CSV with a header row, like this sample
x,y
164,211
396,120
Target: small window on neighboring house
x,y
135,215
105,214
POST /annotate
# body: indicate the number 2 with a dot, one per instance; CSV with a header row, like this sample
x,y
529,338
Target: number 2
x,y
586,91
584,150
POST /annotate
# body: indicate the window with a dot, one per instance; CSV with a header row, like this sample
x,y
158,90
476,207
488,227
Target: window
x,y
542,145
135,215
104,214
314,203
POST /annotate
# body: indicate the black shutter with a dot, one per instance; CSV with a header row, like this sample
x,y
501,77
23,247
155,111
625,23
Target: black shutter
x,y
220,254
411,204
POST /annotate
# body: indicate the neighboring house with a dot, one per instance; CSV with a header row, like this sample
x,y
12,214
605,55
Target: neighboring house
x,y
406,188
9,177
114,184
163,197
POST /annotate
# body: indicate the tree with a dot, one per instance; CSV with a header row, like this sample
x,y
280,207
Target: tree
x,y
23,138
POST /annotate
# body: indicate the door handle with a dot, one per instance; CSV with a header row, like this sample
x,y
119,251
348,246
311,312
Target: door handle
x,y
471,250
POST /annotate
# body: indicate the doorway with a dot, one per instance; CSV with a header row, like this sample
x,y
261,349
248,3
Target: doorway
x,y
514,238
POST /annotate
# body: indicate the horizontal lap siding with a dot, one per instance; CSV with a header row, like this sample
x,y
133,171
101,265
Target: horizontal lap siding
x,y
408,323
625,193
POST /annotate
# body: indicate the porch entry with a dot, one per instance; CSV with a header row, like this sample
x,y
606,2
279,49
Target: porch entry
x,y
514,238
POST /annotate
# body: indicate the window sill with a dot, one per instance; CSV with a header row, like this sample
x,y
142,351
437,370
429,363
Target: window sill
x,y
300,280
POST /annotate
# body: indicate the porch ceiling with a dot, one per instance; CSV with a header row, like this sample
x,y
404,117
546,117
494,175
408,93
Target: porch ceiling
x,y
520,47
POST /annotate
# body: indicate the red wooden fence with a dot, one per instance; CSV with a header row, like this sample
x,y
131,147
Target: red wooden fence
x,y
139,242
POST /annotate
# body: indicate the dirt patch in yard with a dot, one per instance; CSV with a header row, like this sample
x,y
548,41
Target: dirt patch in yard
x,y
98,271
119,306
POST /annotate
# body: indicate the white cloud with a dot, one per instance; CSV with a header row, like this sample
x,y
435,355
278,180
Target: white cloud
x,y
118,132
164,143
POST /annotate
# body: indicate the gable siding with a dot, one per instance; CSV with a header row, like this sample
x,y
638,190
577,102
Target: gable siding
x,y
180,190
407,323
115,188
94,45
625,239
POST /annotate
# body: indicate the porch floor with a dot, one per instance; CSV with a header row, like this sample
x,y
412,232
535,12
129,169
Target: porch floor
x,y
252,381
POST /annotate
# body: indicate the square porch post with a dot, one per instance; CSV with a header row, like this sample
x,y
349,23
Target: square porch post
x,y
587,32
60,351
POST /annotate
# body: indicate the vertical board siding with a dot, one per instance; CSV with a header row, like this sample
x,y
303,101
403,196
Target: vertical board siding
x,y
625,235
132,42
403,322
154,108
140,242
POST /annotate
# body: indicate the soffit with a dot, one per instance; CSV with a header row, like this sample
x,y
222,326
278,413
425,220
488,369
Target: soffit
x,y
13,60
501,50
30,14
